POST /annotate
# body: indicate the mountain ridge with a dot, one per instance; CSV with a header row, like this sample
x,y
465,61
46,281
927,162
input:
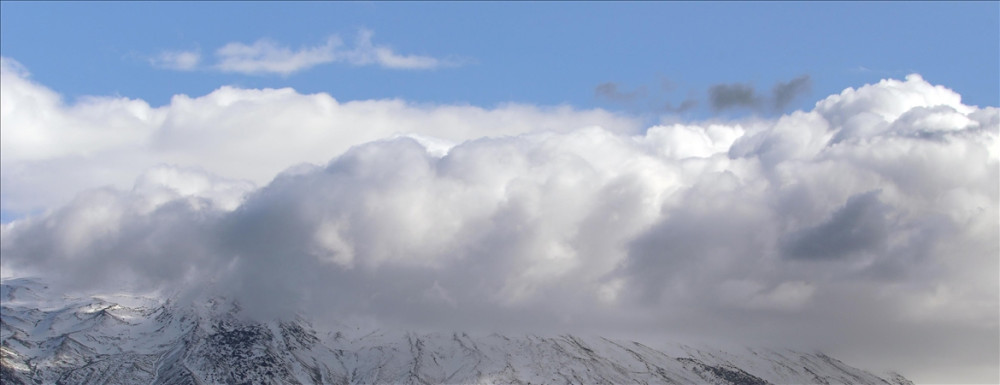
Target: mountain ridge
x,y
50,338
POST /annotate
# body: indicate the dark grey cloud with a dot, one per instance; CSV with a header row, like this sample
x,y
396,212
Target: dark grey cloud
x,y
784,93
723,97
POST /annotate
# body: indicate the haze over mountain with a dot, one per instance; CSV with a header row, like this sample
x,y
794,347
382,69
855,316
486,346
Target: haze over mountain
x,y
48,337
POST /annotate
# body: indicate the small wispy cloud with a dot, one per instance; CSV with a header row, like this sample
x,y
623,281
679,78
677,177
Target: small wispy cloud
x,y
177,60
266,56
366,53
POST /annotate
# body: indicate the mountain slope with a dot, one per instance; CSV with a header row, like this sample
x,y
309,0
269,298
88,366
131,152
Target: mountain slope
x,y
48,338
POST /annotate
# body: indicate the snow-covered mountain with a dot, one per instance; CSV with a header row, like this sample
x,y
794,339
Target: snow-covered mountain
x,y
50,338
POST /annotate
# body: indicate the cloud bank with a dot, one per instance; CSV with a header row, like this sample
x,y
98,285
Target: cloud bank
x,y
50,150
266,56
866,227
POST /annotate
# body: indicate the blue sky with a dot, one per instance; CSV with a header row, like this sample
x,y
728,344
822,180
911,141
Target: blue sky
x,y
540,53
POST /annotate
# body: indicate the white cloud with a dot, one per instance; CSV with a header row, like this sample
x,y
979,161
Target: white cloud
x,y
166,183
14,67
365,53
865,227
177,60
51,150
266,56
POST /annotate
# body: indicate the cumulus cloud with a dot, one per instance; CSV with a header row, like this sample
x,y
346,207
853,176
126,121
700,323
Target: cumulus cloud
x,y
865,227
266,56
51,150
860,226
